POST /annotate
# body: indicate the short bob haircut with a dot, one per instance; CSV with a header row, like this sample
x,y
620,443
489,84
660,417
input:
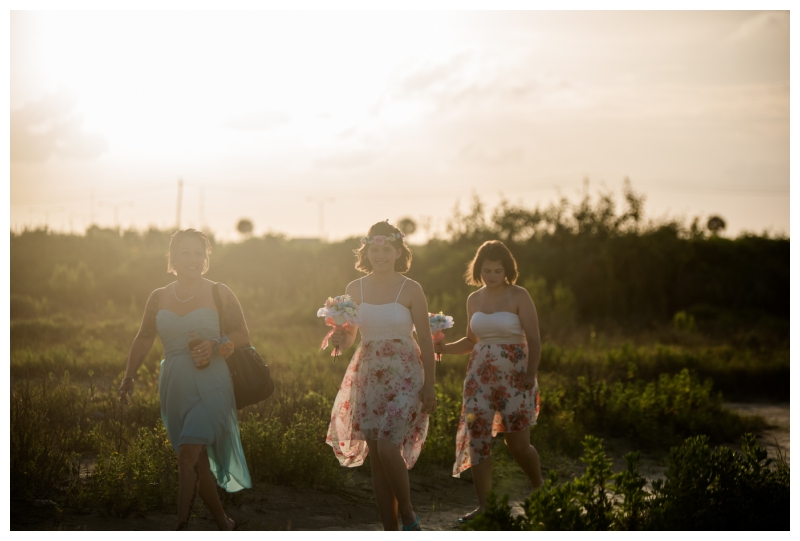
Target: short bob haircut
x,y
401,264
175,241
491,250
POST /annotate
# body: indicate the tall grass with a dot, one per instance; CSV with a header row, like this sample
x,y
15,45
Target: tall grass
x,y
71,440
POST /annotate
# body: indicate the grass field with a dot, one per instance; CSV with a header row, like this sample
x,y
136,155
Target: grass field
x,y
72,443
648,327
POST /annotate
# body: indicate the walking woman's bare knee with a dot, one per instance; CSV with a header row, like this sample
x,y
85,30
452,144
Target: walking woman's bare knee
x,y
189,456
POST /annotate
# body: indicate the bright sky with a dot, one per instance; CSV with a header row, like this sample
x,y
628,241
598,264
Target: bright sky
x,y
374,115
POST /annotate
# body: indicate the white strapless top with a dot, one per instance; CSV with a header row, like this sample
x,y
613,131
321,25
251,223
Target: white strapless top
x,y
384,321
497,328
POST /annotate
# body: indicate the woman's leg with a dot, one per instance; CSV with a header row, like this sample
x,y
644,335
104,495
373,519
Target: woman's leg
x,y
396,472
188,481
208,493
519,443
387,503
482,479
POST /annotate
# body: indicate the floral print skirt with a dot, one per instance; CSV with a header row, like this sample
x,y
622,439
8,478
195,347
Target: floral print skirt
x,y
494,401
379,398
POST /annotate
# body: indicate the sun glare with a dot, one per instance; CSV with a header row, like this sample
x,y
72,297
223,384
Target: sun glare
x,y
170,82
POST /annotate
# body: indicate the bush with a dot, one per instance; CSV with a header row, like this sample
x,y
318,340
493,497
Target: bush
x,y
48,431
143,478
720,489
703,489
658,413
294,454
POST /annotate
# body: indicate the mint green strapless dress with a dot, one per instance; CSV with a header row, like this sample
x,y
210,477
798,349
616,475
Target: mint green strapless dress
x,y
197,406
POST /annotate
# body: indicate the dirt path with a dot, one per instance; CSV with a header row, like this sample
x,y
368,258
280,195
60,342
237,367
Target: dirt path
x,y
439,498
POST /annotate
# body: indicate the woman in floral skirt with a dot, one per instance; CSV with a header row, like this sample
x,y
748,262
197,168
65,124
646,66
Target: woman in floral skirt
x,y
501,393
383,403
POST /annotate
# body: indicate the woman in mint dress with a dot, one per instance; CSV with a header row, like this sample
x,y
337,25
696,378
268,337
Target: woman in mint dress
x,y
195,388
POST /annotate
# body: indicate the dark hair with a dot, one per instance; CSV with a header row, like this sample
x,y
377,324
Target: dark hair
x,y
493,250
401,264
175,240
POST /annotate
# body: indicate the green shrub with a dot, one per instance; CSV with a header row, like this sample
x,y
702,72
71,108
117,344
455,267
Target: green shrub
x,y
143,478
683,322
294,454
720,489
440,443
49,430
556,432
658,413
703,489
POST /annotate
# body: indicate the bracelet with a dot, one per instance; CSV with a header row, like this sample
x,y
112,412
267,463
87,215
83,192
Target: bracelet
x,y
126,378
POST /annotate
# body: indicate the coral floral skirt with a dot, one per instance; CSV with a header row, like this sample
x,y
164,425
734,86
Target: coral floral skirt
x,y
379,398
494,401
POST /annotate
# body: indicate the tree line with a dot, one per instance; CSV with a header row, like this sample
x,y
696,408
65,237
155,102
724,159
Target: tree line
x,y
587,263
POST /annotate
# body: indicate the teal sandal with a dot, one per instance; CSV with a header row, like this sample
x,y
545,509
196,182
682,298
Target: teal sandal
x,y
414,527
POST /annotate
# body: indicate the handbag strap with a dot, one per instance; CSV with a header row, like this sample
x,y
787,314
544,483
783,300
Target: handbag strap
x,y
218,303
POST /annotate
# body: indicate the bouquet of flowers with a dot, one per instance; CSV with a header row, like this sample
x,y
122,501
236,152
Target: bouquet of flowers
x,y
339,312
439,322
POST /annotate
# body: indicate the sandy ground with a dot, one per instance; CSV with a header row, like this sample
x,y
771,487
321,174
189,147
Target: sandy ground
x,y
439,498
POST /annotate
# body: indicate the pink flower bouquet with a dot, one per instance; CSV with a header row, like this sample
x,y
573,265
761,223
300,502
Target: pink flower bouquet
x,y
340,313
439,322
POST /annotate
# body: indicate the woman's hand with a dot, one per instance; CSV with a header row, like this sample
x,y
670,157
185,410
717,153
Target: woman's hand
x,y
438,347
201,354
428,398
529,381
125,390
337,338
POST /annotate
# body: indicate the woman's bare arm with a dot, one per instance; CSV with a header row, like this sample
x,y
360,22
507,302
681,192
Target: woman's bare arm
x,y
465,344
233,318
530,324
419,316
142,344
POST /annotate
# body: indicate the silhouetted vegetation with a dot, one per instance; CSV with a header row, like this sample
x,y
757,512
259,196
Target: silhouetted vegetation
x,y
703,489
646,327
584,263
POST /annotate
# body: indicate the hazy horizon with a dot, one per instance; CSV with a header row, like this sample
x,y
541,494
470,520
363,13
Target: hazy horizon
x,y
376,115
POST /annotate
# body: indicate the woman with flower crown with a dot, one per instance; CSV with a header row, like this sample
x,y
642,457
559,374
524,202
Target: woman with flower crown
x,y
387,392
501,393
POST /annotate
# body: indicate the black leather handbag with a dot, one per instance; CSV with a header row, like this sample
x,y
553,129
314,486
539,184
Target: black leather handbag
x,y
250,374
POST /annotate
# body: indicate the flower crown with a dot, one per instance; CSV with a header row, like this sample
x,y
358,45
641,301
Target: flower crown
x,y
382,239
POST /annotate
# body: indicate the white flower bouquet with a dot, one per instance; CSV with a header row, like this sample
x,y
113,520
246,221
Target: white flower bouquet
x,y
439,322
339,312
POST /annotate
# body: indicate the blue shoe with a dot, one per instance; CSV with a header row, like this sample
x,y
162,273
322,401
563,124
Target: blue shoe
x,y
414,527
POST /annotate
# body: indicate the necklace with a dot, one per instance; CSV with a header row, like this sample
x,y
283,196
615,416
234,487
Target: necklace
x,y
174,292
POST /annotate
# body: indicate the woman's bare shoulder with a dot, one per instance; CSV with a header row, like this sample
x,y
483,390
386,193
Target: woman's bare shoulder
x,y
413,285
353,286
519,290
475,295
521,295
157,294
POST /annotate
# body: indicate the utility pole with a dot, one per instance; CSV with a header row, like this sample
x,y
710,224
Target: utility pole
x,y
321,202
180,198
